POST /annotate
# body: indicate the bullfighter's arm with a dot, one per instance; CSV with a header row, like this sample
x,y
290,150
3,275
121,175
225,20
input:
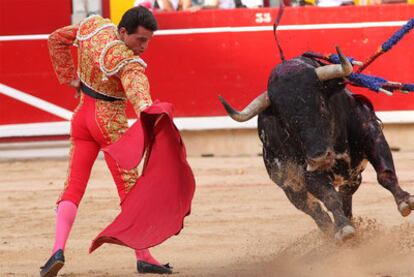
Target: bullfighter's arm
x,y
120,61
136,86
60,42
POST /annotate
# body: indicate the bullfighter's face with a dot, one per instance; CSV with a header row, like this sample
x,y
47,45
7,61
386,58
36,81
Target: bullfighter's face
x,y
138,41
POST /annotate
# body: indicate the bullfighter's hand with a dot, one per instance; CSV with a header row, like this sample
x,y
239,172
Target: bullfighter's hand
x,y
76,85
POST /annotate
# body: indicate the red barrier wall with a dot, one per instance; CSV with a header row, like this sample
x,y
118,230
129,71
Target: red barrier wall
x,y
33,16
191,69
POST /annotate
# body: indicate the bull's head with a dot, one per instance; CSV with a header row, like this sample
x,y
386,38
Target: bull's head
x,y
298,98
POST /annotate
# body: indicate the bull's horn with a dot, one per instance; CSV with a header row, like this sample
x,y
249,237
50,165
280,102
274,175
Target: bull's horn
x,y
259,104
333,71
387,92
358,63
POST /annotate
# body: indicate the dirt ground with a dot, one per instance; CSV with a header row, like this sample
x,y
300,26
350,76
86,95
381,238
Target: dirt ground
x,y
241,225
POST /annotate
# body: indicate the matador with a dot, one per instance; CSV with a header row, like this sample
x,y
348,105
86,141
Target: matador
x,y
109,73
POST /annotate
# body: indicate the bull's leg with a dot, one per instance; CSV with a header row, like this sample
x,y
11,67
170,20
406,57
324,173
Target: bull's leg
x,y
388,180
379,155
294,188
305,202
319,185
345,193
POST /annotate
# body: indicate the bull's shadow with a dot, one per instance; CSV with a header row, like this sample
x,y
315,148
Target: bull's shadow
x,y
317,139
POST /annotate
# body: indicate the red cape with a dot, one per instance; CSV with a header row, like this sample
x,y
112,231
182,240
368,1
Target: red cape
x,y
155,208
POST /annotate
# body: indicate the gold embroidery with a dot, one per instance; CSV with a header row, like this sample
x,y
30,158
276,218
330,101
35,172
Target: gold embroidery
x,y
59,44
129,82
112,121
136,86
115,56
92,25
88,65
129,177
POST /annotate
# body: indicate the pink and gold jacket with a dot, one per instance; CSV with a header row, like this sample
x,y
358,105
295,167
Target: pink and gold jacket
x,y
105,63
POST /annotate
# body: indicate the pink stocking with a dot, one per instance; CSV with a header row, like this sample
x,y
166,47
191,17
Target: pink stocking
x,y
145,255
66,213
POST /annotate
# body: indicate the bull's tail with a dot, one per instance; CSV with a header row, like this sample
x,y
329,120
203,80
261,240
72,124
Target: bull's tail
x,y
275,24
259,104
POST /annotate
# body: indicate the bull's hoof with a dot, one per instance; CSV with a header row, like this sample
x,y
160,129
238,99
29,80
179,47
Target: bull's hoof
x,y
411,202
345,233
405,208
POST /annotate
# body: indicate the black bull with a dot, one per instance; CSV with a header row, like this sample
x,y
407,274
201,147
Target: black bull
x,y
317,139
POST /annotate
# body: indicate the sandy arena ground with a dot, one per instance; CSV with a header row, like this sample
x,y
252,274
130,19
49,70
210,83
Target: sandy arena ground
x,y
241,225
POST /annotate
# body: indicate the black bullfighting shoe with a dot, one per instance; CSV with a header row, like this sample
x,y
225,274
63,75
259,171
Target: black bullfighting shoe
x,y
53,265
144,267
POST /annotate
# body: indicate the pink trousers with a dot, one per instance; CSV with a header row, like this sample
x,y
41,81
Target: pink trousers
x,y
95,124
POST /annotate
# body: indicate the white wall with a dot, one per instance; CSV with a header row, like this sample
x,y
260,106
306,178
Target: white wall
x,y
84,8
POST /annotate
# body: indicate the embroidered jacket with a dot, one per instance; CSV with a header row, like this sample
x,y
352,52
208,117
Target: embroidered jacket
x,y
105,63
